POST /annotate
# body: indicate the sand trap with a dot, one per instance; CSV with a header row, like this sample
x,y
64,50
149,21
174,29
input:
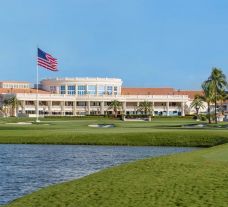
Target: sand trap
x,y
21,123
101,125
194,126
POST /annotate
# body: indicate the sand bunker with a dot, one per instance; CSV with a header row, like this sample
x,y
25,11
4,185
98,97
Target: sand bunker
x,y
194,126
101,125
21,123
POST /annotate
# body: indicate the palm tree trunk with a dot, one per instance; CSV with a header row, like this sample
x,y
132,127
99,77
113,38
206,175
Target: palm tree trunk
x,y
115,111
216,121
197,113
209,113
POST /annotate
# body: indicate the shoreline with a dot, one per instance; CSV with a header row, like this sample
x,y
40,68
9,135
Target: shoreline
x,y
118,186
105,176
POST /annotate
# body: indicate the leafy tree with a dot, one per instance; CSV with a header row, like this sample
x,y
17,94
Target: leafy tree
x,y
13,104
208,97
116,106
197,104
2,111
222,97
218,83
145,107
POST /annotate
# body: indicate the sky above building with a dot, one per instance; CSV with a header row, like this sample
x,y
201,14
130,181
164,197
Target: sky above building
x,y
147,43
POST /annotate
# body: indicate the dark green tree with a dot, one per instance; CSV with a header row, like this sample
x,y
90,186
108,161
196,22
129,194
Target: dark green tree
x,y
197,104
116,106
145,107
218,83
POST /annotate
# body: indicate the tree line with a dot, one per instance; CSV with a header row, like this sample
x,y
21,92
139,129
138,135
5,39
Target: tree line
x,y
214,91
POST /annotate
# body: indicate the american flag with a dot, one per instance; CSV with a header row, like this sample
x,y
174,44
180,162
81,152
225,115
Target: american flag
x,y
46,60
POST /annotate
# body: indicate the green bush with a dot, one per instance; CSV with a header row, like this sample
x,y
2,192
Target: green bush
x,y
203,117
135,116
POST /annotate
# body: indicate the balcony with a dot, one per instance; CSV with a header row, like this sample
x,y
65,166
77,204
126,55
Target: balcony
x,y
122,98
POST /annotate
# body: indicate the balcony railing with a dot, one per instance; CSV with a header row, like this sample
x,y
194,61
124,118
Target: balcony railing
x,y
135,98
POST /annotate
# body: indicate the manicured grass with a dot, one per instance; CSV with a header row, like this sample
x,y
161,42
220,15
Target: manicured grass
x,y
161,131
197,178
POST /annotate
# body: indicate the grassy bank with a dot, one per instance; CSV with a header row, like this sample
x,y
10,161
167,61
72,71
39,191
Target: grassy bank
x,y
198,178
161,131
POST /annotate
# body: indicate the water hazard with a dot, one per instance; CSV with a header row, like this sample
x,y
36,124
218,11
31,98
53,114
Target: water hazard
x,y
26,168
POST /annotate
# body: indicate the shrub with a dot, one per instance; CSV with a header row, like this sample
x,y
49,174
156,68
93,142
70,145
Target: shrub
x,y
195,117
203,117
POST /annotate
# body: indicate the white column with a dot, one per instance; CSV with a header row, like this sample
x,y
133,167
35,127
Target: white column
x,y
74,108
88,107
102,107
153,109
86,92
124,107
63,108
49,108
182,109
37,107
167,108
76,89
66,89
96,90
23,107
58,89
137,107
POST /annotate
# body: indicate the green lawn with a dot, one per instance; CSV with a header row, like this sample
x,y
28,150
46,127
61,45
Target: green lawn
x,y
197,178
161,131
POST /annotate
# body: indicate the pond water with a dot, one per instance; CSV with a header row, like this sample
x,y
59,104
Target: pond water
x,y
26,168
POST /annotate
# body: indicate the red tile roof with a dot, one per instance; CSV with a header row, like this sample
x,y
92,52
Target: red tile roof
x,y
18,90
147,91
190,94
158,91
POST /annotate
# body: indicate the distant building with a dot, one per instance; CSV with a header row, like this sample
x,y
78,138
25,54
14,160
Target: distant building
x,y
84,96
14,84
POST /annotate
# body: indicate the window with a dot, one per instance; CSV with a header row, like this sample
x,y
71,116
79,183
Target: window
x,y
109,90
81,90
29,103
92,90
62,90
115,90
101,90
53,88
95,103
71,90
69,103
81,103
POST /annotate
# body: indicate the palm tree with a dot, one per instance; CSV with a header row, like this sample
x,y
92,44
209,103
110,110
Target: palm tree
x,y
197,104
145,107
208,97
115,106
13,104
222,97
5,107
2,112
219,84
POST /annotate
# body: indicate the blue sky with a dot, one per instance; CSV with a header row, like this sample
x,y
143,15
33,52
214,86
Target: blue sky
x,y
147,43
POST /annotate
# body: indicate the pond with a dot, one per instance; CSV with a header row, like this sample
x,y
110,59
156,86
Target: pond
x,y
26,168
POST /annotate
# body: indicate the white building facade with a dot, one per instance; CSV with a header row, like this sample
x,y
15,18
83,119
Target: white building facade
x,y
92,96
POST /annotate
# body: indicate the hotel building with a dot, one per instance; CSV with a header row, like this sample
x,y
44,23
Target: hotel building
x,y
92,96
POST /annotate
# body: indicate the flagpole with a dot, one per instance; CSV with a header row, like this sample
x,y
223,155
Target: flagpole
x,y
37,85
